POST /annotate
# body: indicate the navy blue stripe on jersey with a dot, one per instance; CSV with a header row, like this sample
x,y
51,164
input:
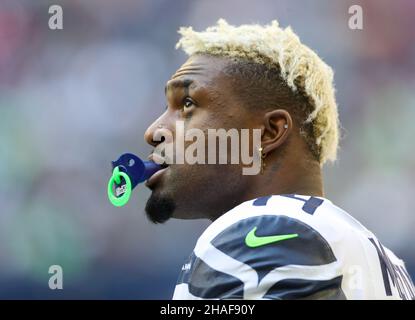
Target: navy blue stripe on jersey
x,y
403,284
208,283
309,248
384,268
262,201
307,289
310,205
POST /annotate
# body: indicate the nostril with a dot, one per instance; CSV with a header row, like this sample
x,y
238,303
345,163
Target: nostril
x,y
161,140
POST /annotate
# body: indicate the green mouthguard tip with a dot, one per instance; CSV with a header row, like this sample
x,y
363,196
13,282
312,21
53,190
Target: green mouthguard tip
x,y
116,178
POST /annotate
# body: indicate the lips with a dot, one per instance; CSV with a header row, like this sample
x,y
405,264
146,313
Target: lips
x,y
155,178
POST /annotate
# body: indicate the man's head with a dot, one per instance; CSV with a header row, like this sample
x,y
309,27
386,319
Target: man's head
x,y
247,77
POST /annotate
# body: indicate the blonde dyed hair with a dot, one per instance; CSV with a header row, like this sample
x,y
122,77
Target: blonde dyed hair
x,y
300,67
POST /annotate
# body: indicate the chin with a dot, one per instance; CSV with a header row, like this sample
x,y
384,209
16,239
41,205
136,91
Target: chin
x,y
177,195
159,208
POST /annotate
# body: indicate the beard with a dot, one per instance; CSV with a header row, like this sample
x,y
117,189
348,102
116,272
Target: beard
x,y
159,208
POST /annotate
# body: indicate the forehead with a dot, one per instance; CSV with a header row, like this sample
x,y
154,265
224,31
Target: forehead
x,y
198,70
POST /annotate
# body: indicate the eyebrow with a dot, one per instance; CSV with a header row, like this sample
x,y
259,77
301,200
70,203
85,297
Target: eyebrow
x,y
173,84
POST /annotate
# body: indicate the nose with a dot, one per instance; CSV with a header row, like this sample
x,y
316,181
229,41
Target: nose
x,y
153,129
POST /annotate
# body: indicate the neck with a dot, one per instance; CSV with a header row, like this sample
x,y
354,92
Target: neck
x,y
293,177
301,177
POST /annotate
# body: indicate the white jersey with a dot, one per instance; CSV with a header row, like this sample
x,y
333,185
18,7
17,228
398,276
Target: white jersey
x,y
291,247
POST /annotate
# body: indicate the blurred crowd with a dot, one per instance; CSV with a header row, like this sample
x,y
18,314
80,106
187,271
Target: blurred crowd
x,y
72,100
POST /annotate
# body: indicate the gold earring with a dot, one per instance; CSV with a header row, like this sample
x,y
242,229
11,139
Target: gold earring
x,y
262,156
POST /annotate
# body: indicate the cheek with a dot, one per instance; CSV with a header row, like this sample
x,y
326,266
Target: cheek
x,y
199,179
185,181
201,118
187,174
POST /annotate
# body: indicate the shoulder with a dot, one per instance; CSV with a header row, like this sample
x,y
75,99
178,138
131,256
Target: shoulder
x,y
285,247
261,245
274,214
273,227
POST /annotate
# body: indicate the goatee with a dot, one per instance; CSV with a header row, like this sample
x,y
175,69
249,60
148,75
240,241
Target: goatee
x,y
159,209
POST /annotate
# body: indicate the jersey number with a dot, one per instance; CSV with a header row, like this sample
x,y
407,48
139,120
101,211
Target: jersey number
x,y
309,206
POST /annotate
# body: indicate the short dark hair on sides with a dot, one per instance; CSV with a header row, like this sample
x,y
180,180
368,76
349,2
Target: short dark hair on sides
x,y
259,85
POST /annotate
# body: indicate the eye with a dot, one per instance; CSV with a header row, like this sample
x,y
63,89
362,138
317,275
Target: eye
x,y
188,103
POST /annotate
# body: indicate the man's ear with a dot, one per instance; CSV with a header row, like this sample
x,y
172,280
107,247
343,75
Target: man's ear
x,y
276,128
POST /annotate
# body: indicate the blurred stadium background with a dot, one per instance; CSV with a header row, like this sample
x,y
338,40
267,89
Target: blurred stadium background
x,y
72,100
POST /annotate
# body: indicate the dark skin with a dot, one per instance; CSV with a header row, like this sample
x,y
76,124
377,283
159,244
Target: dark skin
x,y
199,94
